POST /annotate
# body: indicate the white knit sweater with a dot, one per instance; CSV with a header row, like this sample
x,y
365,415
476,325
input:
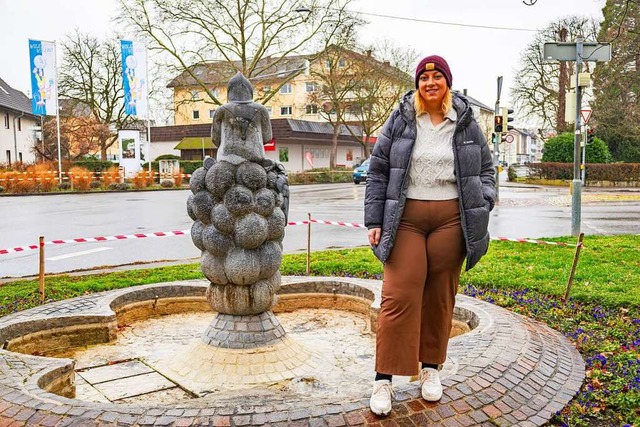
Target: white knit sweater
x,y
431,174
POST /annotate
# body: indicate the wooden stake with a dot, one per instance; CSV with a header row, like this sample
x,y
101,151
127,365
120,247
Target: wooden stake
x,y
41,244
573,267
309,245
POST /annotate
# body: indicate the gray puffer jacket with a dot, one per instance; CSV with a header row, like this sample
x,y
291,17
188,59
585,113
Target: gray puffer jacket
x,y
387,181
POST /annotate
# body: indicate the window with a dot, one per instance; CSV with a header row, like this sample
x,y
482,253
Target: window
x,y
20,157
195,95
9,157
196,114
311,109
211,113
269,109
319,153
353,109
311,86
283,154
19,126
6,120
285,111
286,88
349,155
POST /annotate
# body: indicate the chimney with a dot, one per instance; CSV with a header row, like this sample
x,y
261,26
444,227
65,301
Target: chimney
x,y
464,92
386,63
368,51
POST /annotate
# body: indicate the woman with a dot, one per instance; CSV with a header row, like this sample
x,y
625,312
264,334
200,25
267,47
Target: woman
x,y
429,192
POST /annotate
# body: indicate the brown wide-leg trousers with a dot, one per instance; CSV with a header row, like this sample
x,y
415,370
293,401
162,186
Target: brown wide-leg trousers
x,y
419,287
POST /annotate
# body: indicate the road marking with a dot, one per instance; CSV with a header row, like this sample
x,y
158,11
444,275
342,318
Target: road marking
x,y
73,254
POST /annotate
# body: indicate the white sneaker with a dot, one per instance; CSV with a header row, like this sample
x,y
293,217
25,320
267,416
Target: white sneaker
x,y
430,385
380,402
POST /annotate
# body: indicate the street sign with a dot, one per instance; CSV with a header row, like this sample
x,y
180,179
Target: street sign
x,y
591,51
586,115
509,138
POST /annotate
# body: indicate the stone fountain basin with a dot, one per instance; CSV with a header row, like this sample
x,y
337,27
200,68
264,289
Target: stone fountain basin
x,y
499,345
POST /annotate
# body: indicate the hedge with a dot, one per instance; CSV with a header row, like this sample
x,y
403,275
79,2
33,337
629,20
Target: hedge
x,y
595,172
93,165
320,176
188,166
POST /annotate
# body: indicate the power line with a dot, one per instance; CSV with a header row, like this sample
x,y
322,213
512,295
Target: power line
x,y
456,24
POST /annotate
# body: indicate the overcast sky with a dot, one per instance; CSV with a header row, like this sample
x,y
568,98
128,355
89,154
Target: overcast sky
x,y
476,56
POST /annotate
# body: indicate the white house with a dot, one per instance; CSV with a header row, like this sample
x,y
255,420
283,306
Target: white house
x,y
526,147
17,134
299,144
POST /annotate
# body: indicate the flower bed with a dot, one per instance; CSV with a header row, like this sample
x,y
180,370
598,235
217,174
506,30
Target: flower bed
x,y
609,341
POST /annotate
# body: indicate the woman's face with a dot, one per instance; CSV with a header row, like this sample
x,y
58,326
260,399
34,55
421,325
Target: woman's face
x,y
432,86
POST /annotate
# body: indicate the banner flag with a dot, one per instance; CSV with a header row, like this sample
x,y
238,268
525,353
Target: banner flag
x,y
134,77
130,153
44,87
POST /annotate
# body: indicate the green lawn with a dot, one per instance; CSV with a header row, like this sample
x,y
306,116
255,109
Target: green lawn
x,y
602,317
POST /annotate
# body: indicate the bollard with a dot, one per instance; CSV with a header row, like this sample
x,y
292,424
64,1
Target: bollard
x,y
41,275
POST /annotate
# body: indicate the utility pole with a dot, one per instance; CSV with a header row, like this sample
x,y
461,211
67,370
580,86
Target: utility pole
x,y
576,200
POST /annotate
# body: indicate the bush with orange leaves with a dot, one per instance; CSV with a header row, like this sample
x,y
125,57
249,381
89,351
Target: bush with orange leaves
x,y
44,176
177,177
15,182
111,176
143,179
80,178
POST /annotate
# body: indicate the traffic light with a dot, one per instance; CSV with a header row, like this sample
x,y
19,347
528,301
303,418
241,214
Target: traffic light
x,y
506,119
590,136
498,124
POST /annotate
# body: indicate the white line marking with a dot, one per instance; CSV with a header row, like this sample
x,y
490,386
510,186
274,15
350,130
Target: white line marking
x,y
71,255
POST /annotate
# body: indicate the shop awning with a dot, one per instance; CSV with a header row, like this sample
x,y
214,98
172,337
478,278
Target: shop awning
x,y
194,143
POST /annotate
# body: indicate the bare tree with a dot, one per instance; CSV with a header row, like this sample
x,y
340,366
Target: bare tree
x,y
91,77
254,37
379,85
540,85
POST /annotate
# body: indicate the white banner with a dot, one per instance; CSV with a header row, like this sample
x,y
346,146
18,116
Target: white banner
x,y
134,76
44,87
129,142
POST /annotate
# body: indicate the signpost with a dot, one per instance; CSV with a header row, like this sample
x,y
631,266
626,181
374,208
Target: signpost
x,y
579,52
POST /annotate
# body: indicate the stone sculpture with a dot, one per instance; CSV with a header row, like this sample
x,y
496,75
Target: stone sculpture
x,y
239,205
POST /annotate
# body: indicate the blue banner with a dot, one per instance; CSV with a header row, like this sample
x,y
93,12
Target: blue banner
x,y
134,70
42,60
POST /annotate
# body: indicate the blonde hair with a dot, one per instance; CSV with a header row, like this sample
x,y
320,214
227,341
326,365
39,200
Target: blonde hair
x,y
421,106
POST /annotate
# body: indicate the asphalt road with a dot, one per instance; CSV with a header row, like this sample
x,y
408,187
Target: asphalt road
x,y
523,212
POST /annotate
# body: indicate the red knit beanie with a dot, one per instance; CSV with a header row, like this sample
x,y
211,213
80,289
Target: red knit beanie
x,y
434,62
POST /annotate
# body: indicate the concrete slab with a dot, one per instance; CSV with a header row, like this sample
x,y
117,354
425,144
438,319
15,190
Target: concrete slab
x,y
134,386
113,372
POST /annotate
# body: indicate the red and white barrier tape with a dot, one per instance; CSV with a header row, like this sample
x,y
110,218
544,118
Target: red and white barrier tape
x,y
98,239
185,232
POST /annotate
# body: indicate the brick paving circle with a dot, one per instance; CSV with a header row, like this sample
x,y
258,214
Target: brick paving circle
x,y
509,370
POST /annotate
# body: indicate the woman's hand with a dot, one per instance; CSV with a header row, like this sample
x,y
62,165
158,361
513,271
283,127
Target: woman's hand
x,y
374,236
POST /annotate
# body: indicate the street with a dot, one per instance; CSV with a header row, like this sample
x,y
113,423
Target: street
x,y
529,212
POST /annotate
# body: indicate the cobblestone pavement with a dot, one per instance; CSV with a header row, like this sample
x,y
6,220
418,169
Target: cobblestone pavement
x,y
508,370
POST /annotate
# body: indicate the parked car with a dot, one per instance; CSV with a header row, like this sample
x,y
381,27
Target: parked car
x,y
360,173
